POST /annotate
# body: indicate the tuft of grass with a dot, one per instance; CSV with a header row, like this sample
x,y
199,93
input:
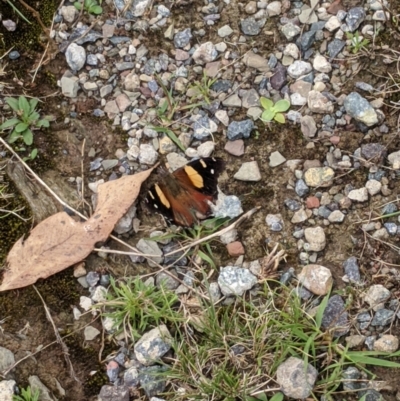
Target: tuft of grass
x,y
136,307
27,395
233,352
203,87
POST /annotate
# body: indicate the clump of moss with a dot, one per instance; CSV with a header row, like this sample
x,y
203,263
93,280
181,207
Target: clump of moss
x,y
11,227
60,291
28,37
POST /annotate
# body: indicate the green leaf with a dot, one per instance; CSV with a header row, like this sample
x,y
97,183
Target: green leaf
x,y
43,123
321,310
34,116
171,135
10,123
21,127
282,105
280,118
277,397
268,115
33,103
13,137
28,137
95,10
78,5
13,103
33,154
23,105
266,103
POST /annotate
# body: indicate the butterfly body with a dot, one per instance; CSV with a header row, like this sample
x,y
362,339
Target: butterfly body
x,y
184,195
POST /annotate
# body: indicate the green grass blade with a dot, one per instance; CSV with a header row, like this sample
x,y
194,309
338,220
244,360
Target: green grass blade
x,y
171,135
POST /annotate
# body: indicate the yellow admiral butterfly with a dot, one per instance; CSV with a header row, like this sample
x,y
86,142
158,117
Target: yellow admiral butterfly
x,y
183,196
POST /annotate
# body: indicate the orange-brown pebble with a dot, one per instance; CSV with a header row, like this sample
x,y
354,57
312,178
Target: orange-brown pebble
x,y
312,202
235,248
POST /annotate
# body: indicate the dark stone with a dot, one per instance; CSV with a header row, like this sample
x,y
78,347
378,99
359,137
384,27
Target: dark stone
x,y
374,152
279,79
114,393
335,316
335,47
239,129
301,188
152,381
250,26
292,204
306,40
382,317
222,85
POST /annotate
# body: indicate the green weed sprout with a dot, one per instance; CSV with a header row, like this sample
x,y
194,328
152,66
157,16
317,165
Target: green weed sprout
x,y
26,120
91,6
357,43
27,395
274,111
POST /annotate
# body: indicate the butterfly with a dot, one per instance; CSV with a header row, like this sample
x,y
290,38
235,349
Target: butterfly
x,y
184,195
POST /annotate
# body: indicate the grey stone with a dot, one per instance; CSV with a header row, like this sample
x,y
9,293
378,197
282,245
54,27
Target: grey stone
x,y
315,237
355,16
6,359
75,56
290,30
335,47
382,317
235,281
148,155
239,129
152,381
274,222
7,390
149,247
299,68
113,393
360,109
90,333
301,188
250,26
276,159
167,281
295,378
182,38
352,270
248,171
153,345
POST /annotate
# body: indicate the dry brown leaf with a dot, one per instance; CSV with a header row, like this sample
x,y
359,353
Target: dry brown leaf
x,y
59,241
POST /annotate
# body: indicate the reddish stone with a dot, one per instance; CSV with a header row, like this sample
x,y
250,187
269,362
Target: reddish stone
x,y
235,248
235,148
335,139
335,7
312,202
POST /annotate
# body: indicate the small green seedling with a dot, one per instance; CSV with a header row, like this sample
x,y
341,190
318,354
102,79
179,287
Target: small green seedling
x,y
203,87
274,111
91,6
27,395
357,42
26,120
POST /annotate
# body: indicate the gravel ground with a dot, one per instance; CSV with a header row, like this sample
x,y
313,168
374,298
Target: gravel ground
x,y
326,180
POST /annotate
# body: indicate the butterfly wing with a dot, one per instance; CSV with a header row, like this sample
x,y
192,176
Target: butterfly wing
x,y
184,194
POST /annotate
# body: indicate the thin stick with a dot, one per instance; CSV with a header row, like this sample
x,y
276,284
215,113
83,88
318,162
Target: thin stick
x,y
59,339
